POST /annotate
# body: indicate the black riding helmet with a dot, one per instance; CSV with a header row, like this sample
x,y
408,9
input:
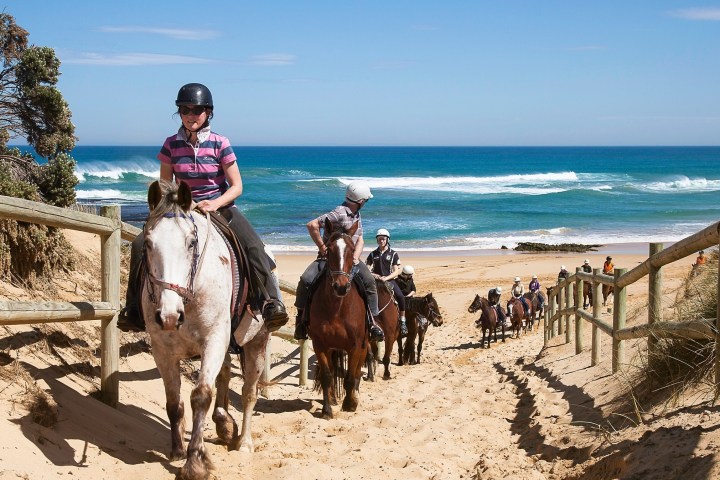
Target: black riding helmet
x,y
194,94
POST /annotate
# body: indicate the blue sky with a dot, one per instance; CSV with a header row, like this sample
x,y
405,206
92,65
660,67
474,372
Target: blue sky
x,y
496,73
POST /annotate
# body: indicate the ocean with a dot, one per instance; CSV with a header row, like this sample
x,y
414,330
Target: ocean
x,y
448,198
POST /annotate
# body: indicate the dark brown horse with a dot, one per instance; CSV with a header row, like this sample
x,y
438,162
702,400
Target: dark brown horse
x,y
537,301
587,298
337,323
518,316
420,313
389,321
489,319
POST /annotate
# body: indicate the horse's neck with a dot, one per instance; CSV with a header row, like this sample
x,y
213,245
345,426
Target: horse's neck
x,y
413,304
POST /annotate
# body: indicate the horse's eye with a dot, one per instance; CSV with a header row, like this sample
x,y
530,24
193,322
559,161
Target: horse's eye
x,y
191,244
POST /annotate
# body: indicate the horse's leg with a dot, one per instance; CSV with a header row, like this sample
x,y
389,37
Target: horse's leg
x,y
421,337
400,351
198,463
326,380
352,379
254,354
386,357
225,425
370,361
169,369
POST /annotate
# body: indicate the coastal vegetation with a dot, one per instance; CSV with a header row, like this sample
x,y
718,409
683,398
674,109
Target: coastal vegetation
x,y
33,108
563,247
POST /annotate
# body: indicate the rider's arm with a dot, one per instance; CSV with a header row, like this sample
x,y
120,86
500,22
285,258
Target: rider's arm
x,y
358,250
313,227
395,272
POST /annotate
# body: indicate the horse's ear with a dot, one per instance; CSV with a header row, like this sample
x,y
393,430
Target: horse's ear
x,y
351,231
184,196
328,227
154,195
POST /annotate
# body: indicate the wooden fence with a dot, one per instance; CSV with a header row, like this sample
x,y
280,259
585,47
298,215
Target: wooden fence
x,y
563,306
111,230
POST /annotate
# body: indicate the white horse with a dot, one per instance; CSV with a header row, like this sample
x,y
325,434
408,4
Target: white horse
x,y
186,306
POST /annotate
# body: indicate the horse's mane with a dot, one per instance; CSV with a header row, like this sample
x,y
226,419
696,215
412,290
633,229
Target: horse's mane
x,y
168,202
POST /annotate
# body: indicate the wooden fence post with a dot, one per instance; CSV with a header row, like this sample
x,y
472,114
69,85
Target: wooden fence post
x,y
578,321
304,354
597,292
654,297
619,314
566,303
110,292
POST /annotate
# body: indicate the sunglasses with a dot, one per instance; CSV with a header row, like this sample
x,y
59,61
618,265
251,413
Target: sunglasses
x,y
188,110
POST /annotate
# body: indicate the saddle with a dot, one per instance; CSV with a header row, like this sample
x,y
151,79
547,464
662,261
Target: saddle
x,y
313,286
240,270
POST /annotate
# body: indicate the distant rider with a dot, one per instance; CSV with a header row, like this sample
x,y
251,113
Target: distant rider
x,y
517,291
563,274
384,263
608,267
494,301
405,281
535,289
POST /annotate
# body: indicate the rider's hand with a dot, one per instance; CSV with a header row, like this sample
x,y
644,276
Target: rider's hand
x,y
323,250
207,206
356,261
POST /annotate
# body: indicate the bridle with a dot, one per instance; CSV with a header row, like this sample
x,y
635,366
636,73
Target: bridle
x,y
187,293
432,314
353,270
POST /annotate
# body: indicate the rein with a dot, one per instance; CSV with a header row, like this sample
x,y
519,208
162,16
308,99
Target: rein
x,y
187,293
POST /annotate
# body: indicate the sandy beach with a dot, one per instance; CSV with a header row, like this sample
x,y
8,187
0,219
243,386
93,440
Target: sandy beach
x,y
514,411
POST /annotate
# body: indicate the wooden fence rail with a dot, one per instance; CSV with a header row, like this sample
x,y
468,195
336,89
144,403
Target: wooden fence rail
x,y
111,230
563,303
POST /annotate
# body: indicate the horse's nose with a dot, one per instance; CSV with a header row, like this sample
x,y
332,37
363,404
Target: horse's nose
x,y
341,290
169,320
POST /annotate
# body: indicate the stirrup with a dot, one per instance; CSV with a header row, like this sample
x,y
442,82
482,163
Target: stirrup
x,y
376,333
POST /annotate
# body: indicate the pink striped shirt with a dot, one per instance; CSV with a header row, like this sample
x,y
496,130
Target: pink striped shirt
x,y
201,169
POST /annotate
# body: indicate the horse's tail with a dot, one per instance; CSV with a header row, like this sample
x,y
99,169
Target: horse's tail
x,y
338,367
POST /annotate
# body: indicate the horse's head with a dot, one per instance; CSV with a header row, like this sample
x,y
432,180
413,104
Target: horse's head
x,y
340,248
475,305
433,310
170,250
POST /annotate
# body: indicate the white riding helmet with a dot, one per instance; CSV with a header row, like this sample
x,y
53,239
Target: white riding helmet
x,y
517,279
562,267
358,191
586,261
408,270
534,277
498,289
382,233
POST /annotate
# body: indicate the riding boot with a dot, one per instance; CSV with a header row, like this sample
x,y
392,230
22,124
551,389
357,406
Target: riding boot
x,y
376,332
129,319
300,327
403,328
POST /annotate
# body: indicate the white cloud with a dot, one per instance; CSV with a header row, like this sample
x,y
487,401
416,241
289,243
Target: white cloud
x,y
697,13
133,59
177,33
273,59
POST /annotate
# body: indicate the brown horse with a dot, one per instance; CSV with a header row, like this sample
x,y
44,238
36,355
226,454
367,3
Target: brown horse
x,y
537,301
488,321
420,312
389,321
518,315
607,290
337,323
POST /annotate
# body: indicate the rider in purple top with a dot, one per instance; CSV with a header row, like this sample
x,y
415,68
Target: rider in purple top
x,y
206,162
